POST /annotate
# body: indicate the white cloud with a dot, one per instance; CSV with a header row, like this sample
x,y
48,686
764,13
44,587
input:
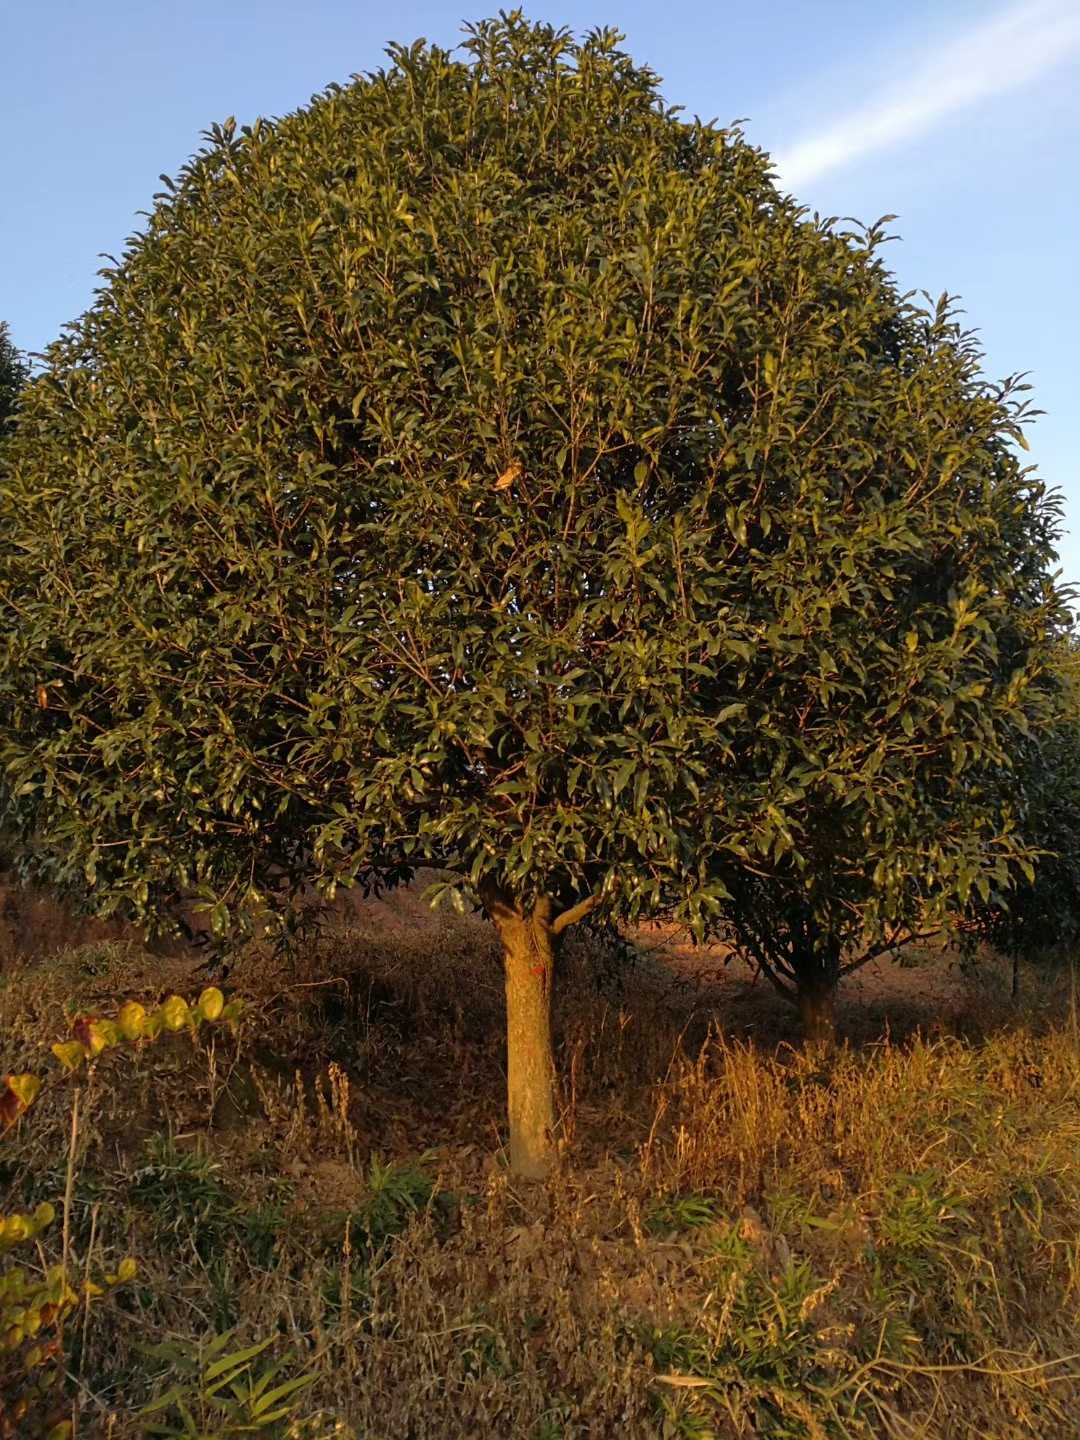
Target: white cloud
x,y
1003,53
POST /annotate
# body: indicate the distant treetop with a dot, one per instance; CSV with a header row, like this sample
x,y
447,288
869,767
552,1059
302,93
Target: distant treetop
x,y
14,373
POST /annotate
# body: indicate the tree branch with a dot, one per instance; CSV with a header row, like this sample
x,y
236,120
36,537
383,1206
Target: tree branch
x,y
895,943
788,991
574,914
758,956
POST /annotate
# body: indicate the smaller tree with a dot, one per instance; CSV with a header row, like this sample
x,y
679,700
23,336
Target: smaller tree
x,y
855,891
805,948
1042,912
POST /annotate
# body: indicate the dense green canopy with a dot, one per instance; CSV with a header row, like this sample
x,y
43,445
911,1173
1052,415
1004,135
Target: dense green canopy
x,y
1042,913
485,465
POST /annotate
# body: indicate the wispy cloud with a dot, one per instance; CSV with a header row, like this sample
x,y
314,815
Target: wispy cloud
x,y
1009,50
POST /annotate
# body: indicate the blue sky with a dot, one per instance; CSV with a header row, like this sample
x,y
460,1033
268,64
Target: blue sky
x,y
961,117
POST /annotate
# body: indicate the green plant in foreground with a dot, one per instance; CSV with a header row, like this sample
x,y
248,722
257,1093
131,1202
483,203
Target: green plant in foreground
x,y
396,1191
34,1305
774,1362
681,1212
221,1395
182,1189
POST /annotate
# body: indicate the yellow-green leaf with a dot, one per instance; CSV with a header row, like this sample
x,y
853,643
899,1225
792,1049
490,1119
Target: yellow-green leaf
x,y
70,1054
131,1020
25,1088
175,1013
16,1228
211,1003
99,1037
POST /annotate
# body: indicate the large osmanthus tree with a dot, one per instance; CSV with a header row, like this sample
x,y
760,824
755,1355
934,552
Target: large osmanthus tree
x,y
483,466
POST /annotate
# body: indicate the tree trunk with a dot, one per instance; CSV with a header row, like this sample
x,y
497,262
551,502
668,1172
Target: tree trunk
x,y
529,960
817,1009
816,964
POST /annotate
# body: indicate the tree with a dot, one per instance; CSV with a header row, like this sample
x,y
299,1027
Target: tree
x,y
13,376
485,467
805,944
812,915
1042,911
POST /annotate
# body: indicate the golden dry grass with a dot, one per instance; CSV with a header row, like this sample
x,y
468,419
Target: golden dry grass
x,y
743,1240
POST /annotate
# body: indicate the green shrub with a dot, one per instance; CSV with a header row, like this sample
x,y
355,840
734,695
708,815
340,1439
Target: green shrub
x,y
219,1394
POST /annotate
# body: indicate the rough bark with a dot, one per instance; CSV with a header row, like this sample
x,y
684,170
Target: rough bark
x,y
817,1009
528,944
817,973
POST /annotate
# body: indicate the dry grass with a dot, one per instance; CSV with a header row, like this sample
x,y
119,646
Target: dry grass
x,y
742,1240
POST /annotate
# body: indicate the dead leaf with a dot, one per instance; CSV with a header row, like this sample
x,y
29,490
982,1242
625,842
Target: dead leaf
x,y
686,1382
43,697
509,475
752,1227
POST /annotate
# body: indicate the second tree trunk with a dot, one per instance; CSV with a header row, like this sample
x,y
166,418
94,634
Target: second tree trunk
x,y
817,973
817,1009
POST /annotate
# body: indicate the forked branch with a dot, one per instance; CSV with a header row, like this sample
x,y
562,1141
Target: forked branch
x,y
574,914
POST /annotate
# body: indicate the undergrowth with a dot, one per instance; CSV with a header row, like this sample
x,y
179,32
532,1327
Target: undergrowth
x,y
742,1241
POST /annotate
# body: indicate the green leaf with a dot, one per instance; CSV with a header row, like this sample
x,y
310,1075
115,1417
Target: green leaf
x,y
281,1392
235,1361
